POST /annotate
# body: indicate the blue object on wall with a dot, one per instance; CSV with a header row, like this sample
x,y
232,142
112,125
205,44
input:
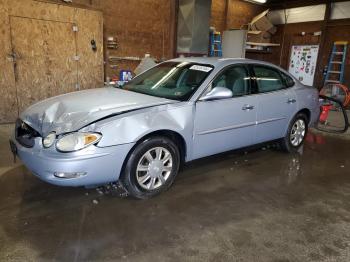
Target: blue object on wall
x,y
125,75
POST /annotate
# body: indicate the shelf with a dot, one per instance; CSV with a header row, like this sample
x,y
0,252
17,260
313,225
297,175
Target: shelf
x,y
258,51
263,44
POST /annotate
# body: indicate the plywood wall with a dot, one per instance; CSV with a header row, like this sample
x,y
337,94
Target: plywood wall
x,y
45,66
8,99
140,26
54,70
90,64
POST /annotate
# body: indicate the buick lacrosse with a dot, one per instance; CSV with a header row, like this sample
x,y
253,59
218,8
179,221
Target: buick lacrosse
x,y
139,134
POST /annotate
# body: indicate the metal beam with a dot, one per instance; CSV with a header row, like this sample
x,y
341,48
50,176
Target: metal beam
x,y
227,5
296,3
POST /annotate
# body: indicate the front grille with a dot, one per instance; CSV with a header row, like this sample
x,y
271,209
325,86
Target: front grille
x,y
25,134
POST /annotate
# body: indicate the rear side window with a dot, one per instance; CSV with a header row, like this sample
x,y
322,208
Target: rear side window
x,y
288,80
268,79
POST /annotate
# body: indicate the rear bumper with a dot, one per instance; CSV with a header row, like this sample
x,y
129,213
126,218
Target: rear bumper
x,y
99,165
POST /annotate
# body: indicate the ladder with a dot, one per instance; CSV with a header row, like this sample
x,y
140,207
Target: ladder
x,y
336,65
215,44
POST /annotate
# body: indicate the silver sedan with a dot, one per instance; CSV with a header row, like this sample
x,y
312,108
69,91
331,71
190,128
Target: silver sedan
x,y
139,134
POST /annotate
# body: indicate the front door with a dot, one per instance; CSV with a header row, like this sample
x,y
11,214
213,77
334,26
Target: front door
x,y
277,103
226,124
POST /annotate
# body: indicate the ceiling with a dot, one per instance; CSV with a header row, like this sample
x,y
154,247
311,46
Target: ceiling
x,y
294,3
278,4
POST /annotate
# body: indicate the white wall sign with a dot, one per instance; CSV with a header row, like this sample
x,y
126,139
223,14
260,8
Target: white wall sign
x,y
303,62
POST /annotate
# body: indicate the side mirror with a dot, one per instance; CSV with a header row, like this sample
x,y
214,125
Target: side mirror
x,y
217,93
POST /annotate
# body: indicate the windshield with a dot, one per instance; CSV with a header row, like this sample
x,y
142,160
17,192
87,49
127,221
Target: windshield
x,y
171,80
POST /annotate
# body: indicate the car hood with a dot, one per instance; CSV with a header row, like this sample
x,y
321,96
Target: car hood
x,y
72,111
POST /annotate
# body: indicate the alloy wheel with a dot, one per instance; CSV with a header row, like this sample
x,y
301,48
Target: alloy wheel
x,y
298,132
154,168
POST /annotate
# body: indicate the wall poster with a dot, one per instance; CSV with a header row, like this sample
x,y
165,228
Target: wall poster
x,y
303,62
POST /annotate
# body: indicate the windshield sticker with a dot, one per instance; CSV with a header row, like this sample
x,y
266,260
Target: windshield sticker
x,y
201,68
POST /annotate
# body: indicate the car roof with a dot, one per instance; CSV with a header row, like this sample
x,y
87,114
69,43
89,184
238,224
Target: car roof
x,y
215,61
221,62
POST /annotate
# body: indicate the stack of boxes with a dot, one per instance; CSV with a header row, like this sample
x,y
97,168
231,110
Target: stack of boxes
x,y
261,29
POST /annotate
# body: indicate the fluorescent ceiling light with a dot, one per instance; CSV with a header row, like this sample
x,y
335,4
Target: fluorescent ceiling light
x,y
257,1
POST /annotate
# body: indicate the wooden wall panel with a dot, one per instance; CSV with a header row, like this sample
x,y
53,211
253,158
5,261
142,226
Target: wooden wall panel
x,y
141,26
8,102
90,64
89,4
55,63
46,65
41,10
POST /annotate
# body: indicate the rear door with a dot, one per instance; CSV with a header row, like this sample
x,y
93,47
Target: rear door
x,y
277,103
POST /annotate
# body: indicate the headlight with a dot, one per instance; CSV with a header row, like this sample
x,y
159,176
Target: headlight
x,y
49,140
77,141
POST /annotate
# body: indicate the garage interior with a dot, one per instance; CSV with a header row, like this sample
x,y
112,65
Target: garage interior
x,y
251,204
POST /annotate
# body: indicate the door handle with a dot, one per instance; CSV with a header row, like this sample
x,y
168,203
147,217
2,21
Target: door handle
x,y
291,101
247,107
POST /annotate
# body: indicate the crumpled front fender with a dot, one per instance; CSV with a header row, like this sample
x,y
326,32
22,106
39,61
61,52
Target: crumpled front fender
x,y
131,127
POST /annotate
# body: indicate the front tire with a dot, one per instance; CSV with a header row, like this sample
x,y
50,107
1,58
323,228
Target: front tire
x,y
296,134
151,167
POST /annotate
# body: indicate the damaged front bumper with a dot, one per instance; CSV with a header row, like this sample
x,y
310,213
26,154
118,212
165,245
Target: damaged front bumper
x,y
92,166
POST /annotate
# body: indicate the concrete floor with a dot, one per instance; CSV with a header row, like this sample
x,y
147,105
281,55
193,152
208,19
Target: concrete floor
x,y
261,206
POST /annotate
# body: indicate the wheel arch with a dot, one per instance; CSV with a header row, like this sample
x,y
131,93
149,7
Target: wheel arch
x,y
306,112
176,137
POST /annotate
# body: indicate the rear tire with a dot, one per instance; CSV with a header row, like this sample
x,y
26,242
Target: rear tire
x,y
296,134
151,167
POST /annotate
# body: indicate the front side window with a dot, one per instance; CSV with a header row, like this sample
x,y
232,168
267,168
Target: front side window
x,y
268,79
236,79
171,80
